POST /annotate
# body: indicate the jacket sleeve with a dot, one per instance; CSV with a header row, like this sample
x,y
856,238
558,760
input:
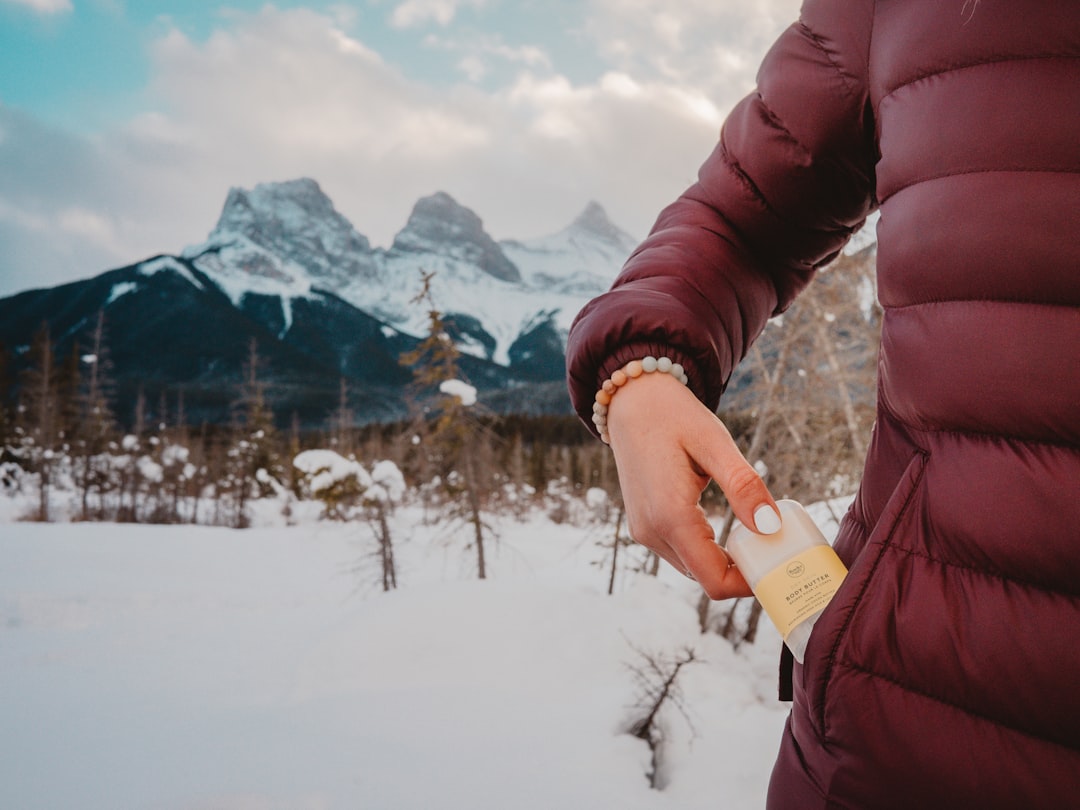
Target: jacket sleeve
x,y
791,179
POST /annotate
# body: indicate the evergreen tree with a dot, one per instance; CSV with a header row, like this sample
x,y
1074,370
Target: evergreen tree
x,y
253,458
38,417
7,394
96,426
451,433
343,421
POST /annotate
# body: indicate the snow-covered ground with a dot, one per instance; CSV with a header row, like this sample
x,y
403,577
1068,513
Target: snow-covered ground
x,y
199,668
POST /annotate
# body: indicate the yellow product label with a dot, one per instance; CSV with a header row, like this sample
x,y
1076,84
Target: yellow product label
x,y
800,587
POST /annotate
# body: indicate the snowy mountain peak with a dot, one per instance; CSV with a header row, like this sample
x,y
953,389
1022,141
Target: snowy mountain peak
x,y
442,226
287,241
595,222
289,231
273,213
580,260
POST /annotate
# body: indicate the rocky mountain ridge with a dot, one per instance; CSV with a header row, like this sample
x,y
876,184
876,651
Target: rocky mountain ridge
x,y
285,269
286,239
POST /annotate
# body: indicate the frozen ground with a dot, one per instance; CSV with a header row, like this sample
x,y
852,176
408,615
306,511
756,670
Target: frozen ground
x,y
196,668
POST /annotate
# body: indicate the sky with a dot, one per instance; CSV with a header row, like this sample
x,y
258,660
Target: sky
x,y
123,123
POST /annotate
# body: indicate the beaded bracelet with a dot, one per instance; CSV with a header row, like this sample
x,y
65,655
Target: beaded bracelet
x,y
620,377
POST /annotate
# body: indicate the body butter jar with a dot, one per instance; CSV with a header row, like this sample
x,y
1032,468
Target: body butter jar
x,y
793,573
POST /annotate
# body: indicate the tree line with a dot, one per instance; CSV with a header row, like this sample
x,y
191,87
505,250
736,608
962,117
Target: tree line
x,y
801,406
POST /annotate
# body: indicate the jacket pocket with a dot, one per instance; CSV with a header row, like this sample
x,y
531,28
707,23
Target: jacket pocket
x,y
830,633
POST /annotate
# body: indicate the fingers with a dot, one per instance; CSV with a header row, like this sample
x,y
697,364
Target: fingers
x,y
667,445
715,451
693,551
681,534
708,563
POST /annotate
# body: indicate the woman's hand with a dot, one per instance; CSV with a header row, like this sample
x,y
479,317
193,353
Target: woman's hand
x,y
667,446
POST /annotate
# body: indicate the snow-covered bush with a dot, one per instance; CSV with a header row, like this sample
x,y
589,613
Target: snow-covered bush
x,y
349,491
338,482
387,483
344,486
565,503
598,504
12,478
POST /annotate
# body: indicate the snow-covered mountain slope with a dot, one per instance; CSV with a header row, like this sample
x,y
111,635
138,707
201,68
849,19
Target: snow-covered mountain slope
x,y
285,232
579,260
287,240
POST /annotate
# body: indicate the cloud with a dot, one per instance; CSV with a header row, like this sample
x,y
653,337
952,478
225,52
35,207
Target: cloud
x,y
43,6
94,227
479,51
15,215
55,186
412,13
286,93
714,47
290,90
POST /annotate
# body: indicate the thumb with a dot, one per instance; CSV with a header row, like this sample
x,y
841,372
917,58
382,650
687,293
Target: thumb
x,y
715,451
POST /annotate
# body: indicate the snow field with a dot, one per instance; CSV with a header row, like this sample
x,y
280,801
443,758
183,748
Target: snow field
x,y
189,668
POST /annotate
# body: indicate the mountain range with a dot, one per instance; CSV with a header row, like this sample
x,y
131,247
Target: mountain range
x,y
284,271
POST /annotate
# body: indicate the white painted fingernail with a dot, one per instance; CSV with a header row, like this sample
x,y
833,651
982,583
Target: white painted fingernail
x,y
766,520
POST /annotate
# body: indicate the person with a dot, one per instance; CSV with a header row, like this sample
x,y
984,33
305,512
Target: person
x,y
944,672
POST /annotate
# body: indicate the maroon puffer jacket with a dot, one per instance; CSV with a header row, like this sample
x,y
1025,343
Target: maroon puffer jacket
x,y
946,672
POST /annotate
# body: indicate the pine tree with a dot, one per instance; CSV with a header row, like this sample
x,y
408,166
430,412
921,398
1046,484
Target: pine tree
x,y
7,393
38,417
96,426
253,458
343,421
451,434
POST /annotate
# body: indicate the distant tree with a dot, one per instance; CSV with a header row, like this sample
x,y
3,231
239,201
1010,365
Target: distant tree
x,y
815,446
181,412
128,475
517,491
96,427
7,394
343,421
178,462
38,417
254,445
619,542
68,390
348,491
451,432
387,488
138,419
292,449
173,456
